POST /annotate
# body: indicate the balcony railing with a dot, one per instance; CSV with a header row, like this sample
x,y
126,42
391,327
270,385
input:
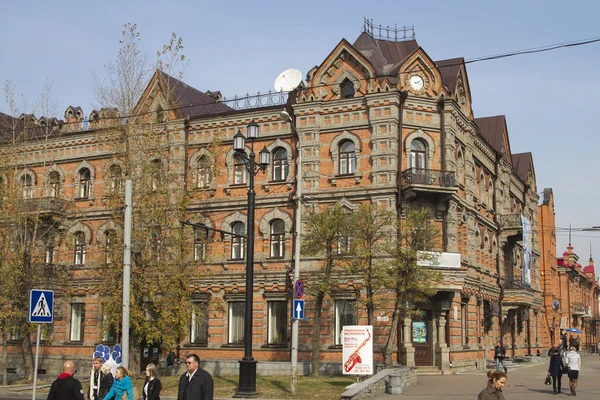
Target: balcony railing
x,y
46,205
578,309
427,177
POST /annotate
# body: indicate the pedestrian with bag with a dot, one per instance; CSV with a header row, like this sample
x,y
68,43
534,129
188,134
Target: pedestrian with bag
x,y
196,383
500,357
574,365
122,388
493,391
555,370
100,380
152,385
66,387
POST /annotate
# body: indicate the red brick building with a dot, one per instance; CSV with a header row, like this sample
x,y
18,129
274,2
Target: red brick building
x,y
377,121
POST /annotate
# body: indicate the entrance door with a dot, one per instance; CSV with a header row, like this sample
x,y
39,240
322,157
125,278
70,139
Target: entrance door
x,y
421,339
149,355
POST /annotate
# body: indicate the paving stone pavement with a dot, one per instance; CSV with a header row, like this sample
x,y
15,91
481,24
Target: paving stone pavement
x,y
524,383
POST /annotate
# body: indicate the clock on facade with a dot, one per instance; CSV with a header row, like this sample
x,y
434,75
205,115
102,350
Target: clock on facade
x,y
416,82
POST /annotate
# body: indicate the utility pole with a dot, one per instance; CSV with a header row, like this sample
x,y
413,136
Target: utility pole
x,y
126,273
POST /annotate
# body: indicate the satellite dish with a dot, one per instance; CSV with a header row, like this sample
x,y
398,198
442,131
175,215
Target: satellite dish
x,y
288,80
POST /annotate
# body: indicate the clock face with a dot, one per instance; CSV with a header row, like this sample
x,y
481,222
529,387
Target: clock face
x,y
416,82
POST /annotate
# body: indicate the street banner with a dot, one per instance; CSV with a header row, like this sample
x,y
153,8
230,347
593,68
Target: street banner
x,y
527,252
357,350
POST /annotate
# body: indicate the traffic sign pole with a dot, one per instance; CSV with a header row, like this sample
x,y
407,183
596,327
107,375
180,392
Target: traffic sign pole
x,y
37,353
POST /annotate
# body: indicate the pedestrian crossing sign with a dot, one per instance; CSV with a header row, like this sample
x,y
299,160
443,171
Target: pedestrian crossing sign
x,y
41,305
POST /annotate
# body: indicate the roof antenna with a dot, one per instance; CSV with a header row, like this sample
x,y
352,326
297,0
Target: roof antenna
x,y
569,235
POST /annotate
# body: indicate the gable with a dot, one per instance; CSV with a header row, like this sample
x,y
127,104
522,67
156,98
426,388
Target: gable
x,y
419,63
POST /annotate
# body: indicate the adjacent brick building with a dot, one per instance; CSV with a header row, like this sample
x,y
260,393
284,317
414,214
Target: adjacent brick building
x,y
377,121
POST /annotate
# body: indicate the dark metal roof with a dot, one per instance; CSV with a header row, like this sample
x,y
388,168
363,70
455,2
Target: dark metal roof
x,y
522,165
386,56
449,71
191,101
492,129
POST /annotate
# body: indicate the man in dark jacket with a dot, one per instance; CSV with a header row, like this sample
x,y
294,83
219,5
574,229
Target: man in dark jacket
x,y
500,356
66,387
100,382
196,383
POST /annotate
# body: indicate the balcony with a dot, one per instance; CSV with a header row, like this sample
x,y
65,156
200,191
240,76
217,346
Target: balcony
x,y
46,205
578,309
511,226
428,180
518,294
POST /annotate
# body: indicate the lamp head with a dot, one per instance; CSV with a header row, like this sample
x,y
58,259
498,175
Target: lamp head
x,y
239,141
264,158
252,130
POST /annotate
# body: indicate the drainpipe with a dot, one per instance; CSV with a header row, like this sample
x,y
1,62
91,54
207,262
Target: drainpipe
x,y
498,257
441,112
403,96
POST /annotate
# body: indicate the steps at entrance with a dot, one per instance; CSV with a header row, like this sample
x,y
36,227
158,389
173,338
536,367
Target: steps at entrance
x,y
429,370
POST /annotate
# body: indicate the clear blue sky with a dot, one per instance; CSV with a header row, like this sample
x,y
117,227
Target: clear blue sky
x,y
239,47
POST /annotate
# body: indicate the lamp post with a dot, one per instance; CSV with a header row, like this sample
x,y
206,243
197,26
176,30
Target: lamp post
x,y
247,381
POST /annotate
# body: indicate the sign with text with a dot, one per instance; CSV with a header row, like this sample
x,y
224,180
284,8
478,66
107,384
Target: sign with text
x,y
357,349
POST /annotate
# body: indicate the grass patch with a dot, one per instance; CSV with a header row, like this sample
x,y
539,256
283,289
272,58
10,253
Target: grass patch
x,y
268,387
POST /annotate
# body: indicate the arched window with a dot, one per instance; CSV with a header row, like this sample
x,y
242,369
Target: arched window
x,y
347,89
347,158
27,186
277,238
460,167
418,154
482,192
54,183
204,172
238,243
280,164
240,175
84,183
116,178
79,248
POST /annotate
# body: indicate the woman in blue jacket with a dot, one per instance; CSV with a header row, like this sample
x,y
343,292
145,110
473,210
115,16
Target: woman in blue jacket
x,y
121,385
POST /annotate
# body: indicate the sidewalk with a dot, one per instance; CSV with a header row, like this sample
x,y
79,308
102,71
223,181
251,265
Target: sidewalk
x,y
526,382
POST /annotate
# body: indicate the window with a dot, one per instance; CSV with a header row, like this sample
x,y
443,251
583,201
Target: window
x,y
161,115
54,183
77,322
280,165
277,238
116,179
84,183
200,245
238,243
277,322
345,314
49,256
417,154
204,173
347,89
27,186
347,158
345,244
109,247
110,333
79,248
236,322
240,175
464,324
199,327
155,242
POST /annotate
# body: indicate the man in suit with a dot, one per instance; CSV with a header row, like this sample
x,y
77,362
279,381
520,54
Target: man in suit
x,y
196,383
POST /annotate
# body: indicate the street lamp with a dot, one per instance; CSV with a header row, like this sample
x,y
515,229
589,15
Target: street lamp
x,y
247,381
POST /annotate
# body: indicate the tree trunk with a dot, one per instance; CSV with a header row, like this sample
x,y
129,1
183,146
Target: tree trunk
x,y
316,338
26,352
4,359
389,347
135,356
370,302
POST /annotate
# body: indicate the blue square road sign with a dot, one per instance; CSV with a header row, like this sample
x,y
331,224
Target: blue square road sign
x,y
41,306
298,309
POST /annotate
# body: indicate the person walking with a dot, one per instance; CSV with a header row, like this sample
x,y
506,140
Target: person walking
x,y
122,388
196,383
66,387
555,370
574,365
577,343
500,356
493,391
100,381
152,385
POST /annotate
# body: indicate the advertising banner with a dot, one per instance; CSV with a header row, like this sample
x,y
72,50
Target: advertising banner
x,y
527,252
357,353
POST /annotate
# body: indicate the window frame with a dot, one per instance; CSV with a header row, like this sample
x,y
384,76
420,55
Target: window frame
x,y
85,179
238,243
28,187
77,323
200,244
235,309
418,157
115,173
277,239
54,184
199,323
240,173
80,248
347,158
338,327
280,165
203,172
277,318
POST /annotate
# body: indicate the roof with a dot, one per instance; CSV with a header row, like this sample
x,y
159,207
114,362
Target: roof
x,y
386,56
190,101
449,71
492,129
589,269
521,165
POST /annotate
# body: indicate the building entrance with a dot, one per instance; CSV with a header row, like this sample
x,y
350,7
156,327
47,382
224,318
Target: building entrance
x,y
421,339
